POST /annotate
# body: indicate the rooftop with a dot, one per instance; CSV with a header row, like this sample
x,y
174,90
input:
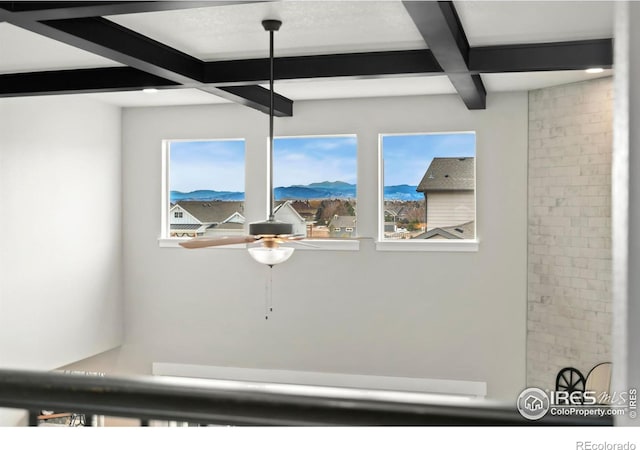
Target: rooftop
x,y
449,174
465,230
211,211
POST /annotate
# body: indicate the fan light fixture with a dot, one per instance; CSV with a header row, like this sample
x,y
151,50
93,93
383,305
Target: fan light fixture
x,y
268,234
272,254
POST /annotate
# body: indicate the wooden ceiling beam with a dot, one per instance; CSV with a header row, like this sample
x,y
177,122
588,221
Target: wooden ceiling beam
x,y
109,79
574,55
72,10
440,27
110,40
242,74
345,65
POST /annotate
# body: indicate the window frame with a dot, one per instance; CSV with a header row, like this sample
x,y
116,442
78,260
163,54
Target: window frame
x,y
351,244
165,239
423,245
338,244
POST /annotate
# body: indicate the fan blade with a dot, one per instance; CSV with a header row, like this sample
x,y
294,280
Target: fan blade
x,y
304,244
217,241
292,237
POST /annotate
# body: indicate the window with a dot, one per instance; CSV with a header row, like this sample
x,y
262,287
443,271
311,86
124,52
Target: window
x,y
428,187
205,188
315,184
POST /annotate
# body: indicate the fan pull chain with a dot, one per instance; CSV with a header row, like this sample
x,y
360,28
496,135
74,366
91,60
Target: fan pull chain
x,y
268,297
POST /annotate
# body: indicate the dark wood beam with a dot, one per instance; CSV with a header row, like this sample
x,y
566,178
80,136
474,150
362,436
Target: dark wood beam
x,y
440,26
257,97
109,79
110,40
237,77
71,10
347,65
576,55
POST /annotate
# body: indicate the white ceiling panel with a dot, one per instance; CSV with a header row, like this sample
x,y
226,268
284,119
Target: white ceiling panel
x,y
24,51
527,81
309,27
164,97
297,91
336,89
381,87
520,22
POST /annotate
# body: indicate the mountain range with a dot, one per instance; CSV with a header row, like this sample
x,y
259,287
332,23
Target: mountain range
x,y
323,190
206,195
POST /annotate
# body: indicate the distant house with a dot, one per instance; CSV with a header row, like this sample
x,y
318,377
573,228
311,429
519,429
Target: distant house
x,y
206,218
342,227
215,217
463,231
449,192
305,209
390,227
319,231
285,212
397,213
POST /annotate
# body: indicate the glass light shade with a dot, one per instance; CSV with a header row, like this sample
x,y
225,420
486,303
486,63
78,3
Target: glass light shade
x,y
270,256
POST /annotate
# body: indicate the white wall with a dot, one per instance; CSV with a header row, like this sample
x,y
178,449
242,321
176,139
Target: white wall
x,y
436,315
60,233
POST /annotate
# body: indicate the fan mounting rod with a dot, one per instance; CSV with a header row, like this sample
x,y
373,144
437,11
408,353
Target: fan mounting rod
x,y
271,26
271,226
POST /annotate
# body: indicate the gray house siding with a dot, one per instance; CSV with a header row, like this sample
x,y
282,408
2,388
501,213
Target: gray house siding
x,y
449,208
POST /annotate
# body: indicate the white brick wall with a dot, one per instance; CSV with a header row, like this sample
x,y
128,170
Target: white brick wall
x,y
569,286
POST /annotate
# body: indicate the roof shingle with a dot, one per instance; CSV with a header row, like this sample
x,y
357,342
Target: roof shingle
x,y
214,211
449,174
465,230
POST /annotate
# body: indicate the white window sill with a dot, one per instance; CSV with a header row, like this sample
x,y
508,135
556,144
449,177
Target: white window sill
x,y
318,244
427,246
330,244
354,245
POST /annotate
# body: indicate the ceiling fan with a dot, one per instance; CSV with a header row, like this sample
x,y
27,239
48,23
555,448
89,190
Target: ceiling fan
x,y
270,233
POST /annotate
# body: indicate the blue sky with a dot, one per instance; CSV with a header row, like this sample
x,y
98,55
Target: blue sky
x,y
212,165
219,165
314,159
407,157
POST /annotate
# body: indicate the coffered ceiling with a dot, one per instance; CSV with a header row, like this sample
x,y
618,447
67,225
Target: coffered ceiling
x,y
212,52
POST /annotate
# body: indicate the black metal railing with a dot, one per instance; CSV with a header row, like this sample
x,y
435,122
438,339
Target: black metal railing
x,y
245,403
